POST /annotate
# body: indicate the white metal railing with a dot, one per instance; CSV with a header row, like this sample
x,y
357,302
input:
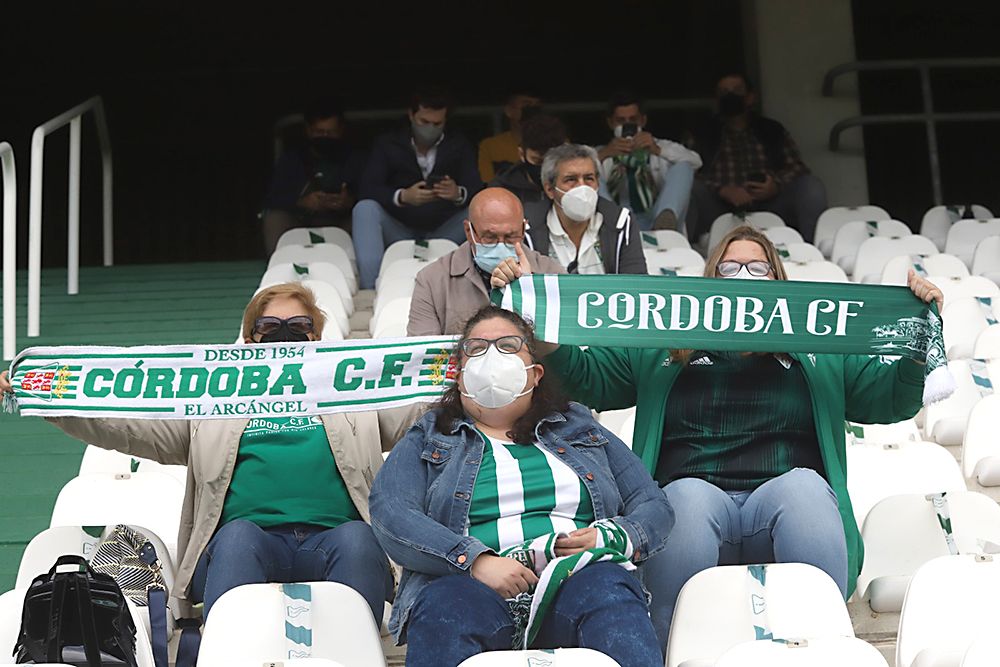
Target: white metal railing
x,y
9,250
73,119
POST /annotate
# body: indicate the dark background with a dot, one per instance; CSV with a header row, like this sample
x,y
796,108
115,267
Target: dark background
x,y
192,92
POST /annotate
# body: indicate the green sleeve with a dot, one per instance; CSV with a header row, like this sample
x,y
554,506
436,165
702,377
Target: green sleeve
x,y
881,393
600,377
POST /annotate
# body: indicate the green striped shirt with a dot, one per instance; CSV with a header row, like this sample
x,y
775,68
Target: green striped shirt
x,y
522,492
737,421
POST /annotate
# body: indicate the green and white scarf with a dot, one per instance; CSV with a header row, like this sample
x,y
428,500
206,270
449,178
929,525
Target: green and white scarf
x,y
229,381
632,171
529,609
734,315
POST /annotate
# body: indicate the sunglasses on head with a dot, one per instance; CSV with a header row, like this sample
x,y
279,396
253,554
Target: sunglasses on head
x,y
300,324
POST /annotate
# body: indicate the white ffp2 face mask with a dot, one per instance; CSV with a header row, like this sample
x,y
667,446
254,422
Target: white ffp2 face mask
x,y
744,274
495,379
579,203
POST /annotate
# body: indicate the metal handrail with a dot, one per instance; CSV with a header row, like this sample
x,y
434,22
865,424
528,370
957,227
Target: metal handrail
x,y
493,112
928,117
9,174
73,119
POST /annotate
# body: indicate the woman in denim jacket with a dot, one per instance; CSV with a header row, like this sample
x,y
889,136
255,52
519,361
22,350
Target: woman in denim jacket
x,y
457,492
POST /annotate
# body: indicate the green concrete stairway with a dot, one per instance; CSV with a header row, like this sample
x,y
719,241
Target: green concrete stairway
x,y
122,305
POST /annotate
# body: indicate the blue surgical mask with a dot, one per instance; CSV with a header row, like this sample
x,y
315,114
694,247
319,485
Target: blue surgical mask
x,y
488,258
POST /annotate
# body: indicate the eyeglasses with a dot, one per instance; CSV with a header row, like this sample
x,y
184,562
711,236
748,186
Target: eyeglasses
x,y
300,324
476,347
757,268
489,241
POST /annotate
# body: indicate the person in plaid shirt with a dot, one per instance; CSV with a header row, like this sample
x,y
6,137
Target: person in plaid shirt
x,y
751,164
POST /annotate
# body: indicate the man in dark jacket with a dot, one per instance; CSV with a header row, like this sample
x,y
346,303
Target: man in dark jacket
x,y
582,231
539,132
751,164
315,185
416,185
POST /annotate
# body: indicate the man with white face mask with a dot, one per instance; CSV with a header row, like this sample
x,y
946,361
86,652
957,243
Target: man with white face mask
x,y
416,185
584,232
453,288
651,176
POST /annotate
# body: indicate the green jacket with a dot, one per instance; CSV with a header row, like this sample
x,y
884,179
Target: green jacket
x,y
858,388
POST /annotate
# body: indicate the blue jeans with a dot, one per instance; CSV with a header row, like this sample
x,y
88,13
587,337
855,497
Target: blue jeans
x,y
674,194
601,607
372,229
241,552
792,518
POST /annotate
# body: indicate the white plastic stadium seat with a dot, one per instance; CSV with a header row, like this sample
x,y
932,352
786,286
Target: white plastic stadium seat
x,y
851,235
887,434
964,319
941,264
951,602
799,252
328,300
247,627
987,343
577,657
986,259
619,422
399,250
822,272
875,472
663,239
983,651
313,235
875,253
679,261
714,611
727,222
903,532
324,271
836,217
45,547
945,421
392,319
818,652
981,446
151,499
965,235
397,281
785,235
320,252
957,288
939,219
98,459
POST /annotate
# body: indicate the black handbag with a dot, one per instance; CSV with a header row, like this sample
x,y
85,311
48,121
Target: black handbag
x,y
78,617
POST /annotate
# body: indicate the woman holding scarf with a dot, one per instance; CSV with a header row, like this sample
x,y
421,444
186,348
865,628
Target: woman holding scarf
x,y
496,496
748,448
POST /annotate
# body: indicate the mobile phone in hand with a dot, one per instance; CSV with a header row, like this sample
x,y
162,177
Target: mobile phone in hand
x,y
757,177
629,130
432,180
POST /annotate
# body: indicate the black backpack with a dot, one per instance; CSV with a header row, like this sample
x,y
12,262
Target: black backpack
x,y
78,617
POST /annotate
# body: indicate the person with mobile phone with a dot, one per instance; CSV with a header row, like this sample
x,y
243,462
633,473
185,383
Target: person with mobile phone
x,y
416,185
539,133
651,176
751,164
314,185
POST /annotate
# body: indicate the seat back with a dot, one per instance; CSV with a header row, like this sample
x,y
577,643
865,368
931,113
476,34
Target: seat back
x,y
799,252
939,219
875,472
397,281
836,217
818,652
981,431
427,251
986,259
945,421
982,652
392,319
897,269
821,272
851,235
964,319
718,608
675,261
314,235
329,301
783,235
577,657
319,252
663,239
970,286
248,626
951,601
727,222
98,459
964,235
988,343
874,253
152,499
45,547
324,271
903,532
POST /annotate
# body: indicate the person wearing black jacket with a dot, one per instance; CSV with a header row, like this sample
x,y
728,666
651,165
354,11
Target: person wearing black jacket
x,y
751,164
416,185
582,231
539,132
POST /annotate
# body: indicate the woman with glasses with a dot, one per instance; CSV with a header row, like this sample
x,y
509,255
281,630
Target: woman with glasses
x,y
502,477
270,498
750,446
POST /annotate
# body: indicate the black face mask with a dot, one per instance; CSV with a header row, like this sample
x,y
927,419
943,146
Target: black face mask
x,y
732,104
326,147
534,172
284,335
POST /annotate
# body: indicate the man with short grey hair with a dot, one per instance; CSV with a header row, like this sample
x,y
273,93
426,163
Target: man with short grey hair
x,y
584,232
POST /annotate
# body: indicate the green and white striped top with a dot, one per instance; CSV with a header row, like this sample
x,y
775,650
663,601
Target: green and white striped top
x,y
523,492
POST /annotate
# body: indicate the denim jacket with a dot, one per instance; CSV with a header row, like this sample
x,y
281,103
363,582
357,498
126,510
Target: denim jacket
x,y
420,499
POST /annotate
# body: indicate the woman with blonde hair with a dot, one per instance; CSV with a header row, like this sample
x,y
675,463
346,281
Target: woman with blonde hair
x,y
269,499
750,447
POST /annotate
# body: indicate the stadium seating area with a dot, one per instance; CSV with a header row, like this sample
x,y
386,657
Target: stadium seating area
x,y
926,595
